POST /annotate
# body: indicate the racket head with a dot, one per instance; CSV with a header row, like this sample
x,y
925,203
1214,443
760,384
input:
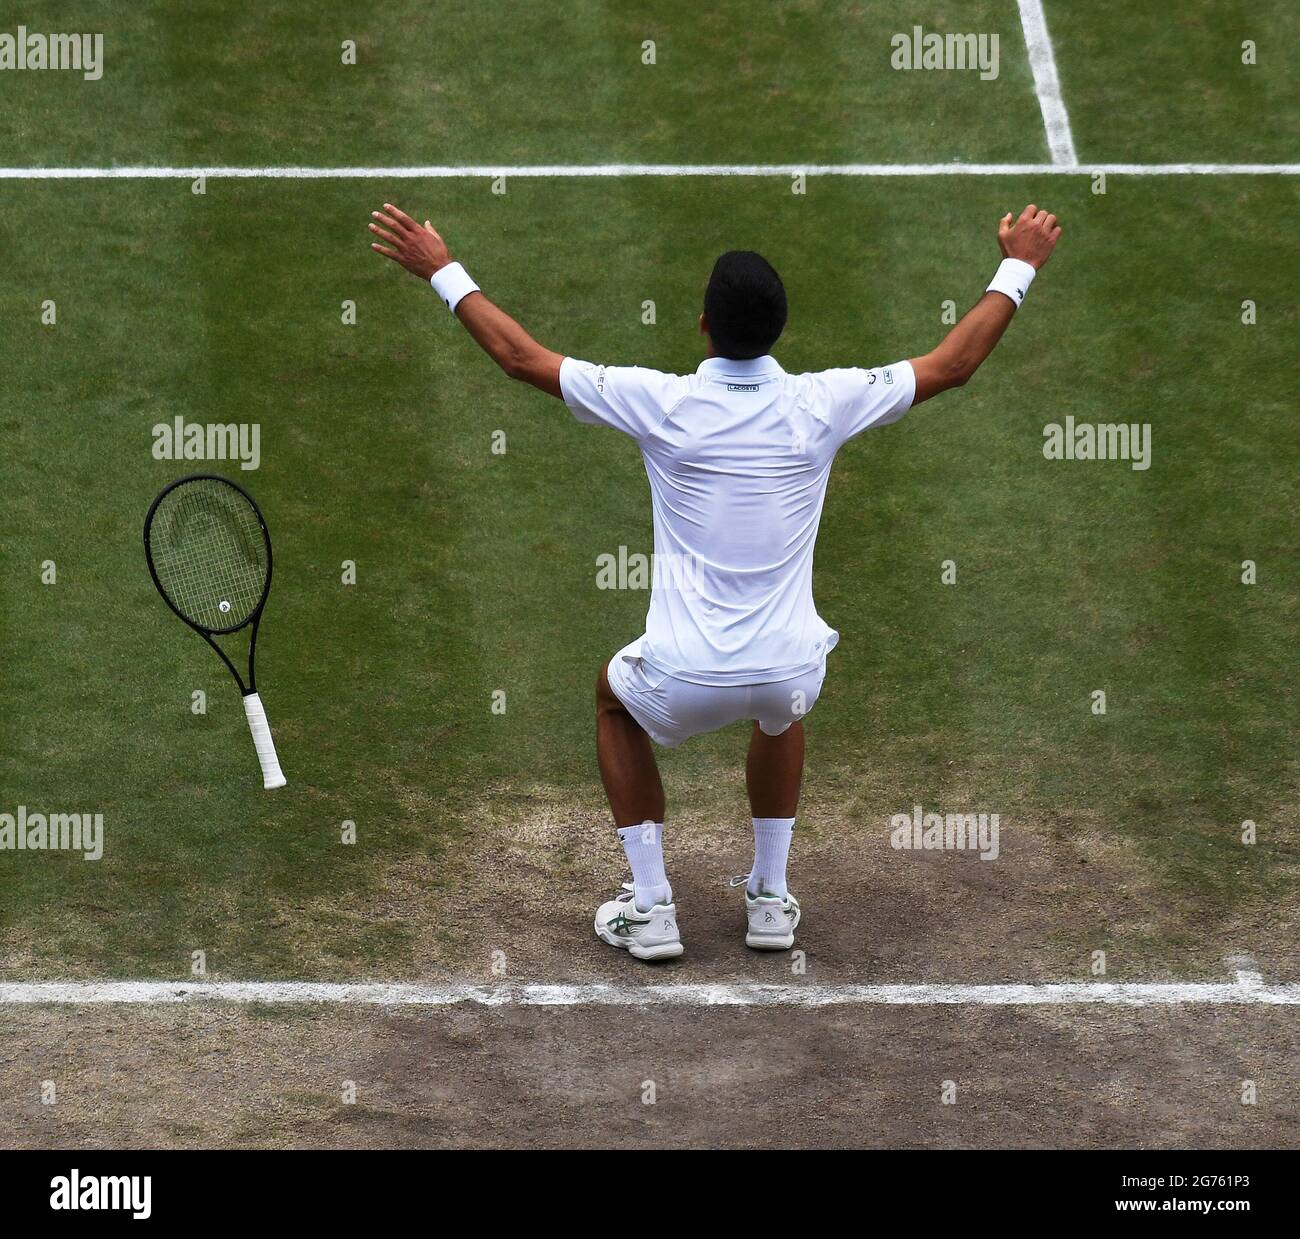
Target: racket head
x,y
207,544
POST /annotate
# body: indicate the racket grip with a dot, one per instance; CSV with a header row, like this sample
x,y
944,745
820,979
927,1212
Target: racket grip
x,y
272,775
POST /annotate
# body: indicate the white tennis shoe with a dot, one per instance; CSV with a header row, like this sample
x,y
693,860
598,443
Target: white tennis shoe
x,y
645,935
772,920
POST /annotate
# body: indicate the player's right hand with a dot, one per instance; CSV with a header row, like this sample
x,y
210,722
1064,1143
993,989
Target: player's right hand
x,y
1032,238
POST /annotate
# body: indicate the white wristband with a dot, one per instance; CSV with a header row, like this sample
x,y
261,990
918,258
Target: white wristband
x,y
1013,279
451,283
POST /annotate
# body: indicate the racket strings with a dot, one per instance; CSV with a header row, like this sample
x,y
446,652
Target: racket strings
x,y
209,549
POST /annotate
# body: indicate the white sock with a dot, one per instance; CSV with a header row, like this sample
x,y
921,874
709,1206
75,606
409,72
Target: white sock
x,y
644,846
772,836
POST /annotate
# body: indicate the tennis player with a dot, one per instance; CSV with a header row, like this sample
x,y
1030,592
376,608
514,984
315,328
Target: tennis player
x,y
738,455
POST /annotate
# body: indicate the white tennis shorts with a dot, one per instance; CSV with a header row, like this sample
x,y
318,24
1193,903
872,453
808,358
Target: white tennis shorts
x,y
672,710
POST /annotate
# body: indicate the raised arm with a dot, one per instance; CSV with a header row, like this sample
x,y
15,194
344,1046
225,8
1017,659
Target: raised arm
x,y
1031,240
424,253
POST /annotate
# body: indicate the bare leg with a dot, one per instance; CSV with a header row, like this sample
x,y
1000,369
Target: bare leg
x,y
774,771
627,762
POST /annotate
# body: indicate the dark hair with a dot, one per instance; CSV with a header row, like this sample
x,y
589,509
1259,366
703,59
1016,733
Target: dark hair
x,y
744,305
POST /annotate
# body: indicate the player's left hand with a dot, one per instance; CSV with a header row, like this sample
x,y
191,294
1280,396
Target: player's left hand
x,y
420,250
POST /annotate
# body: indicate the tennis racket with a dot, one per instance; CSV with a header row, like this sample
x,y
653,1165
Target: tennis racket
x,y
210,556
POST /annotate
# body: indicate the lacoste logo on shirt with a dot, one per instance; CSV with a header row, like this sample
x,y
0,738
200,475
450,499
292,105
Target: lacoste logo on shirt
x,y
742,386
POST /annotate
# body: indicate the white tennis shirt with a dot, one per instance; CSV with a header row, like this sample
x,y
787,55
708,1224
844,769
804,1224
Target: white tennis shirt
x,y
738,455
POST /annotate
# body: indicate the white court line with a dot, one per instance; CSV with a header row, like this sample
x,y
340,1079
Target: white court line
x,y
469,171
1247,989
1047,85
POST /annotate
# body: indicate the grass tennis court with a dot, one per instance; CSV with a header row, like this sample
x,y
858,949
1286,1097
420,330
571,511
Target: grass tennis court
x,y
476,568
477,572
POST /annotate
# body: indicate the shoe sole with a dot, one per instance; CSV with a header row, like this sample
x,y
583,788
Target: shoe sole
x,y
665,950
662,950
770,942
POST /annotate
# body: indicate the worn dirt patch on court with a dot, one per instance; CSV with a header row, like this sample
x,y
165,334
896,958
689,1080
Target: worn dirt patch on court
x,y
722,1077
526,884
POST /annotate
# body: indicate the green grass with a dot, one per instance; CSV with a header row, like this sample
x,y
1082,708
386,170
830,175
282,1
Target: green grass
x,y
467,82
1166,83
476,571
